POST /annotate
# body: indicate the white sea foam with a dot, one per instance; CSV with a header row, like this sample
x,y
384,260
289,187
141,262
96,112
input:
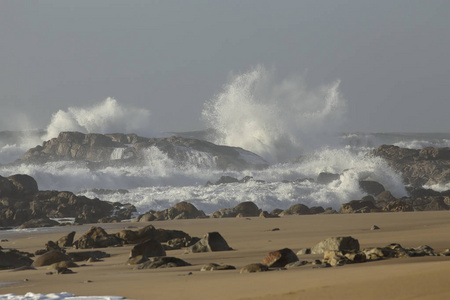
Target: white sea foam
x,y
276,120
55,296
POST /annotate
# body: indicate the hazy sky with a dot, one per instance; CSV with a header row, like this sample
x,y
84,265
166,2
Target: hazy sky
x,y
392,57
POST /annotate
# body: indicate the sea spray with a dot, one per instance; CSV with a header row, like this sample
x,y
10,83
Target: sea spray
x,y
104,117
277,120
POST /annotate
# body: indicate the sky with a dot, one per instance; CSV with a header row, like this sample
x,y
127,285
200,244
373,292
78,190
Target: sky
x,y
170,57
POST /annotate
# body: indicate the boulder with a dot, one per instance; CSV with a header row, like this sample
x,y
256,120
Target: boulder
x,y
244,209
398,206
253,268
67,240
162,262
149,248
344,244
12,259
23,184
371,187
49,258
6,187
296,209
326,178
212,241
87,255
279,258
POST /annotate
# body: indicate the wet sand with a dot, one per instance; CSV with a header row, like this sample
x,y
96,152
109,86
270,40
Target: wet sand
x,y
251,239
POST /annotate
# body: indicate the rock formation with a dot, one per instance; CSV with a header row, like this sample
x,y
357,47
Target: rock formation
x,y
112,149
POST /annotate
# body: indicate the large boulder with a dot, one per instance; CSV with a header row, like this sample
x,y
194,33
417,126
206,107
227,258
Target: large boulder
x,y
280,258
344,244
24,184
50,258
244,209
296,209
149,248
182,210
212,241
371,187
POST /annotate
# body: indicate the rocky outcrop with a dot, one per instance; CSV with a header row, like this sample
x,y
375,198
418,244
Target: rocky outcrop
x,y
427,166
21,202
253,268
105,149
365,205
149,248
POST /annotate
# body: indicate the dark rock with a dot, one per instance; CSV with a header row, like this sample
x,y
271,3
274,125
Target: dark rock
x,y
279,258
49,258
149,248
212,241
326,178
12,259
371,187
296,209
226,180
86,255
67,240
315,210
247,209
162,262
23,184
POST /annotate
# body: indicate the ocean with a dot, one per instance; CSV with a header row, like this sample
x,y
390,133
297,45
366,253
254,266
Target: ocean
x,y
161,182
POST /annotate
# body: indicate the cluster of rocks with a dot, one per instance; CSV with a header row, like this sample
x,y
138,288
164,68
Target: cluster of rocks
x,y
419,200
181,210
101,150
337,251
22,204
427,166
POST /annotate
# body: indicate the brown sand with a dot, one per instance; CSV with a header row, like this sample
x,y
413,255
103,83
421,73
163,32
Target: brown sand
x,y
252,238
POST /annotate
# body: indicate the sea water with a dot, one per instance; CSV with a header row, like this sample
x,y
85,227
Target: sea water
x,y
293,128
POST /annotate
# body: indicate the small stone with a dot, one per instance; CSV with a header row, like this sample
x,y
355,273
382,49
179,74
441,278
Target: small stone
x,y
304,251
276,229
87,281
374,227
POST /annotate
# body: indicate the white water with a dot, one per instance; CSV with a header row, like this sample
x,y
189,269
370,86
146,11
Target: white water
x,y
277,120
55,296
280,120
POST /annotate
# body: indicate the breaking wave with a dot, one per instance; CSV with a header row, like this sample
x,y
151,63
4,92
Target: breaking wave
x,y
276,120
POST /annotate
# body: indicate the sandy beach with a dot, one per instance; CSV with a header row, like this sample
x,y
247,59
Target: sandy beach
x,y
251,239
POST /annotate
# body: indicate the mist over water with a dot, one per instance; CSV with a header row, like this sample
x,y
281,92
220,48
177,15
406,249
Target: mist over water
x,y
291,126
278,120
